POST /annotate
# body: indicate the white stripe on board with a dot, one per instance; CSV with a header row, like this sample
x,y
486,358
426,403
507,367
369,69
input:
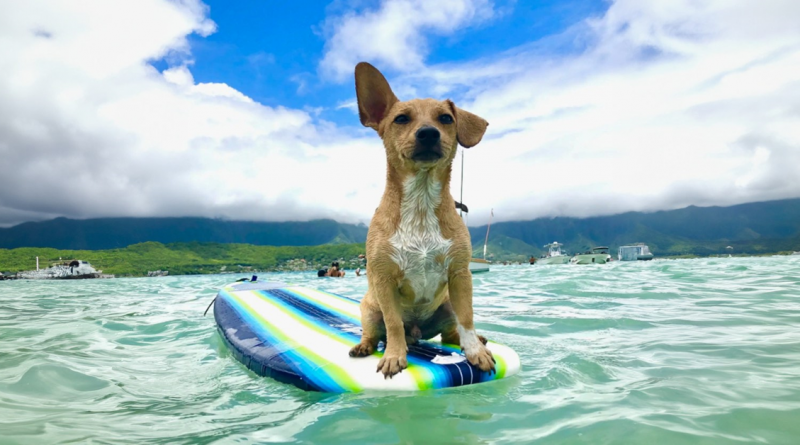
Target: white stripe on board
x,y
346,307
332,351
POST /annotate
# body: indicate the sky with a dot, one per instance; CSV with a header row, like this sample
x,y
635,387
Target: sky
x,y
246,110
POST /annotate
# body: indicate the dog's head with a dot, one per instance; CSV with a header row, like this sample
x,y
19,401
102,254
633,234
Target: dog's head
x,y
418,134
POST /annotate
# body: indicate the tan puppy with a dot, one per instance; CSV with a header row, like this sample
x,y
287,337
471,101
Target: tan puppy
x,y
418,249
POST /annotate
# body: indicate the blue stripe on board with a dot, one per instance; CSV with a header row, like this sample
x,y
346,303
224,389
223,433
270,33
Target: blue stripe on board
x,y
322,307
341,297
302,366
305,367
323,319
334,322
238,336
454,374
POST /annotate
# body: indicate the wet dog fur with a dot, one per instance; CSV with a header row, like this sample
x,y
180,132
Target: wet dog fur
x,y
418,248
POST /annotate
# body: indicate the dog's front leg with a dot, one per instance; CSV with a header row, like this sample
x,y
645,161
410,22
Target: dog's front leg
x,y
371,327
394,356
460,289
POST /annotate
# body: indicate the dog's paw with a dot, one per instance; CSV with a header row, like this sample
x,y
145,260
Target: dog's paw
x,y
391,365
482,339
481,357
362,350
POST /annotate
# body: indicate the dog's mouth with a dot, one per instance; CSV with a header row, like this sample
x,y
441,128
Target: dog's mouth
x,y
428,145
427,154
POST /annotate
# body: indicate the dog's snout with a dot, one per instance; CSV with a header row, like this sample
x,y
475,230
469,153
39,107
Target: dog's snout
x,y
428,147
428,136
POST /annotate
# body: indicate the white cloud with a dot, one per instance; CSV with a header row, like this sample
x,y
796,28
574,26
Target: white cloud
x,y
654,105
88,128
394,34
669,104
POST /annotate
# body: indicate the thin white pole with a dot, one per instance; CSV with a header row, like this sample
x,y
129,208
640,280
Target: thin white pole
x,y
461,198
485,242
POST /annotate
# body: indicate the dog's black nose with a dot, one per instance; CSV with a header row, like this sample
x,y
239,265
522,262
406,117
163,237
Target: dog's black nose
x,y
428,136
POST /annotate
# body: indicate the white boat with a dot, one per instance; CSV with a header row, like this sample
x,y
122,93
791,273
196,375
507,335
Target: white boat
x,y
554,255
477,265
597,255
68,270
636,252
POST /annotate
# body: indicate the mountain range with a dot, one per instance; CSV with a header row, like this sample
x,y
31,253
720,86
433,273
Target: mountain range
x,y
111,233
761,227
753,228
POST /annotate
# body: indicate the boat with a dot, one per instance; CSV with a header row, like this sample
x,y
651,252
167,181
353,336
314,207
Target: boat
x,y
596,255
635,252
71,270
476,265
553,255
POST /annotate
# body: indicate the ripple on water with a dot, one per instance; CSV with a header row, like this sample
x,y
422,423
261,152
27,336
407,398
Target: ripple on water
x,y
53,382
685,351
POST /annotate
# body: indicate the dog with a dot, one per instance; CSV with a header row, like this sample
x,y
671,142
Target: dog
x,y
418,249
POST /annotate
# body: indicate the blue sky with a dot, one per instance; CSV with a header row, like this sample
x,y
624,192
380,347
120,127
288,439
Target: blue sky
x,y
271,51
246,110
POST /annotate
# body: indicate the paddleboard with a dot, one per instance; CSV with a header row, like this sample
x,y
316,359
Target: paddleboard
x,y
302,336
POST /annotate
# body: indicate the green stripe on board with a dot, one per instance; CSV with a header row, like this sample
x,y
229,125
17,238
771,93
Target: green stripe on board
x,y
310,296
329,333
417,371
336,373
500,366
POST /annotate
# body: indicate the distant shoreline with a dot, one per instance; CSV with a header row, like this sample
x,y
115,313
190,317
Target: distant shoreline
x,y
189,258
139,260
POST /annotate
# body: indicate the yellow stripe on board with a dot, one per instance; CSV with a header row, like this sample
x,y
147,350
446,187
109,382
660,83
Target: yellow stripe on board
x,y
422,375
320,358
328,353
303,321
332,350
331,302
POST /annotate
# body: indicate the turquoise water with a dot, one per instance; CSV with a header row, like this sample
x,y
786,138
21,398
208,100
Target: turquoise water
x,y
687,351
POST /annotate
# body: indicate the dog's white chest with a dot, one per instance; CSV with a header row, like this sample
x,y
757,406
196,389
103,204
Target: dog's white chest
x,y
419,248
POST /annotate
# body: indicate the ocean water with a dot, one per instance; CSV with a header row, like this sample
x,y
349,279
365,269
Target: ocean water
x,y
703,351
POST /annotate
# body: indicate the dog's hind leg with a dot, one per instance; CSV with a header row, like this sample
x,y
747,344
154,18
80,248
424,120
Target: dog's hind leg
x,y
413,333
444,322
372,329
452,338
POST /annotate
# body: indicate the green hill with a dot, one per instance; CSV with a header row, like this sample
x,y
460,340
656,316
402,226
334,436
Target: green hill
x,y
762,227
110,233
754,228
188,258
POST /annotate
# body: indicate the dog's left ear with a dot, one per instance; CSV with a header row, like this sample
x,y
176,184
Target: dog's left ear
x,y
469,127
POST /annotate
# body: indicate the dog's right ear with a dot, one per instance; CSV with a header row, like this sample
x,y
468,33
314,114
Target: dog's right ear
x,y
374,95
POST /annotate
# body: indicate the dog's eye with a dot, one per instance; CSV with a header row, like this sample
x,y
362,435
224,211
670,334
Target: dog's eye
x,y
401,119
446,119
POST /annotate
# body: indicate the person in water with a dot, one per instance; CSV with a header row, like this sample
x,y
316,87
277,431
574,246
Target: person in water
x,y
332,271
358,270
